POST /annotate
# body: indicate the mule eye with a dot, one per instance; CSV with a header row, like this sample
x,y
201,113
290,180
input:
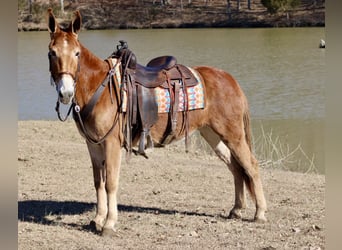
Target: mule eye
x,y
77,54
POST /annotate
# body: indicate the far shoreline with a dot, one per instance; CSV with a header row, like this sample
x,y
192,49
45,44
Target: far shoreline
x,y
39,27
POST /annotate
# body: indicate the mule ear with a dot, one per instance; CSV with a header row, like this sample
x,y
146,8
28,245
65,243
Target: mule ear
x,y
52,23
76,23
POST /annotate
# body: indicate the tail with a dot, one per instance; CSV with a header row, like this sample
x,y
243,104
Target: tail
x,y
247,126
248,136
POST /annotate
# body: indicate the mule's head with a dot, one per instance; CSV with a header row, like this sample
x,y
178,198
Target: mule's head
x,y
64,53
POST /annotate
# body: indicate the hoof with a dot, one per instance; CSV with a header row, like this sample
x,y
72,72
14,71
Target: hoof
x,y
235,214
95,227
260,219
108,232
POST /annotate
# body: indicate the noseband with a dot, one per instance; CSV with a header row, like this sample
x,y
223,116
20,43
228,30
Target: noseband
x,y
73,76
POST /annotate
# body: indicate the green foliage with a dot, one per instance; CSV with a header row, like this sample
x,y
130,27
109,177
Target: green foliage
x,y
294,3
153,12
22,4
273,6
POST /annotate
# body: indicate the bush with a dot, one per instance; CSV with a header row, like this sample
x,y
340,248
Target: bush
x,y
273,6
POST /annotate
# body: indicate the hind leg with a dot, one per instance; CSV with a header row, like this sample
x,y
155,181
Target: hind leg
x,y
244,167
223,152
239,182
243,155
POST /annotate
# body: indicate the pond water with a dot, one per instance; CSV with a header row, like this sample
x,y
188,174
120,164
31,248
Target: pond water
x,y
282,72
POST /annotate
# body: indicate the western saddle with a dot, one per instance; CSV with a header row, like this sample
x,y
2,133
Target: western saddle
x,y
139,83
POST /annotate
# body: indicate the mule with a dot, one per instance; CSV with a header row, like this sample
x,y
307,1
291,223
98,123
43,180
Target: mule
x,y
224,122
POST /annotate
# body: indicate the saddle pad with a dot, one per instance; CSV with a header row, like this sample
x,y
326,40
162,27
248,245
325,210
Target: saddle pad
x,y
195,96
162,95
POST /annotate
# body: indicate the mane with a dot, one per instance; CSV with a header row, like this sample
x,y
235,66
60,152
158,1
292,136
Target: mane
x,y
88,56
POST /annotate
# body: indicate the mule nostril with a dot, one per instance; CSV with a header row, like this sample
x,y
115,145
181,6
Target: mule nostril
x,y
65,94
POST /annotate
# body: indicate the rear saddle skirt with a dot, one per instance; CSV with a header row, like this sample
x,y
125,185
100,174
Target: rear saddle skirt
x,y
162,86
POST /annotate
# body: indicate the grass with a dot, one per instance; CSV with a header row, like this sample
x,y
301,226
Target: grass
x,y
270,149
273,152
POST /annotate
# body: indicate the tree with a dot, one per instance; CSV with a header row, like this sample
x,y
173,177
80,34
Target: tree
x,y
229,10
162,2
30,6
273,6
62,6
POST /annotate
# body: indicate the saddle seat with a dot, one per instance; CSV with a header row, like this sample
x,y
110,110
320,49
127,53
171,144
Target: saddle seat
x,y
159,70
161,62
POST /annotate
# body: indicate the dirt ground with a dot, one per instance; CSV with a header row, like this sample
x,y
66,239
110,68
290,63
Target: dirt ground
x,y
172,200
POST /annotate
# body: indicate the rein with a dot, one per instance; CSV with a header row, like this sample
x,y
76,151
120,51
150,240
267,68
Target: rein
x,y
74,77
84,130
82,115
87,109
59,113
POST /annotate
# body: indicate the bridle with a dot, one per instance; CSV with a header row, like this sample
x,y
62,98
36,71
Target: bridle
x,y
59,74
73,76
82,115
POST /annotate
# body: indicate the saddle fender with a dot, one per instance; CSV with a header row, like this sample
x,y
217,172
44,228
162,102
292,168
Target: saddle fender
x,y
148,112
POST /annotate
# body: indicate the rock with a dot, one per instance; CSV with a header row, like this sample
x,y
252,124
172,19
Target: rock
x,y
193,234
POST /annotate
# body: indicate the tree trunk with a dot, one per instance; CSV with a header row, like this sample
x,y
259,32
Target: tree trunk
x,y
229,10
30,6
62,6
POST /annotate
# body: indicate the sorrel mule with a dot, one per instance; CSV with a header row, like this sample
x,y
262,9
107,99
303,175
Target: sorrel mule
x,y
223,122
